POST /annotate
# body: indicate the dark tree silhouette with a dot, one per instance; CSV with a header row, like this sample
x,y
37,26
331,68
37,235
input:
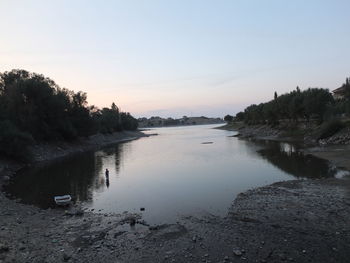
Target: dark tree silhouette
x,y
34,108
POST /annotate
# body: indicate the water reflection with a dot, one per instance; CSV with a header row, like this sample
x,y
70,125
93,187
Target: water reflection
x,y
171,174
80,176
291,160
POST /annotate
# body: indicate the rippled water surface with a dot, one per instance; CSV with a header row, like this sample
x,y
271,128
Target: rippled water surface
x,y
182,171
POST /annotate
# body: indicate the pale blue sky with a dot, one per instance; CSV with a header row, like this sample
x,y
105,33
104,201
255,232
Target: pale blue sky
x,y
173,57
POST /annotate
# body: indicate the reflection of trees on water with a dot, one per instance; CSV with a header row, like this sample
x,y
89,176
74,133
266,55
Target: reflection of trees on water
x,y
286,157
79,176
116,152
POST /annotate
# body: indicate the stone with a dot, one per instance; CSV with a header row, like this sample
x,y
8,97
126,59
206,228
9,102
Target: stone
x,y
6,178
66,257
4,248
74,212
237,252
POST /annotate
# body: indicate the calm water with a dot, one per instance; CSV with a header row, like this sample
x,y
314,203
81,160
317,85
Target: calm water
x,y
170,175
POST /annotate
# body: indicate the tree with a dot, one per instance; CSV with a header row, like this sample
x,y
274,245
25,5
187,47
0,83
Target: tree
x,y
34,106
275,96
228,118
239,116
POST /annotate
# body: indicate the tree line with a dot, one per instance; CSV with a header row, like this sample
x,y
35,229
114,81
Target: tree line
x,y
33,108
312,103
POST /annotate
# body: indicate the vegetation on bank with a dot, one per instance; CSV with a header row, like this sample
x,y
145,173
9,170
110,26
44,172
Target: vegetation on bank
x,y
313,103
33,108
329,112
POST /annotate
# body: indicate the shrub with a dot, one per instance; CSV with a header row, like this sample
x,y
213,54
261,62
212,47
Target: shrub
x,y
13,142
330,128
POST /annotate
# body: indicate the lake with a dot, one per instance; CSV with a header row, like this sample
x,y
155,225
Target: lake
x,y
193,170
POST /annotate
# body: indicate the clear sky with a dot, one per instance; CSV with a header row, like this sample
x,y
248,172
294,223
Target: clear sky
x,y
179,57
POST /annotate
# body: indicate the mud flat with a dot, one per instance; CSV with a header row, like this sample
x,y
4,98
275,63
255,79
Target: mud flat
x,y
293,221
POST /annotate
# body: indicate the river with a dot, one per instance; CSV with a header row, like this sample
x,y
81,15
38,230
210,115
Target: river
x,y
193,170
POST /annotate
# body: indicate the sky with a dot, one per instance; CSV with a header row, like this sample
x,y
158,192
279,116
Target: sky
x,y
172,58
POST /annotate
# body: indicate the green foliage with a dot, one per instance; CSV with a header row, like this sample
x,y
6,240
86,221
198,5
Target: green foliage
x,y
228,118
171,122
311,103
128,121
109,120
328,129
239,116
14,143
33,106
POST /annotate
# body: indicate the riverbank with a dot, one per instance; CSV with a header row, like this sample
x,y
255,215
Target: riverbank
x,y
43,153
335,148
293,221
338,155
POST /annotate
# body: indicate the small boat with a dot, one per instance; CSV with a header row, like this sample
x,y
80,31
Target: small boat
x,y
63,200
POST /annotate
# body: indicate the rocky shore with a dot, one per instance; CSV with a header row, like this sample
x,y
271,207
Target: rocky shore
x,y
304,133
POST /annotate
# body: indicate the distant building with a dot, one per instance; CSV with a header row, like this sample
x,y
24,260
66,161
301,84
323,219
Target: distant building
x,y
343,91
339,93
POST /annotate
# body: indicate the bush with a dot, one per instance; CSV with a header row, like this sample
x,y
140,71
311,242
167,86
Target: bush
x,y
330,128
13,142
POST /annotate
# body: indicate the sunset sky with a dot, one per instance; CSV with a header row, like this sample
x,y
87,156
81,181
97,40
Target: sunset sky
x,y
179,57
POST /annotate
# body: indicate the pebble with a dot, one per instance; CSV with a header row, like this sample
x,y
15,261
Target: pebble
x,y
66,257
4,248
237,252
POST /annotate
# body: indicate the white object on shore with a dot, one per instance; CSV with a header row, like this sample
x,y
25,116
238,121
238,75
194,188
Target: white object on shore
x,y
63,200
